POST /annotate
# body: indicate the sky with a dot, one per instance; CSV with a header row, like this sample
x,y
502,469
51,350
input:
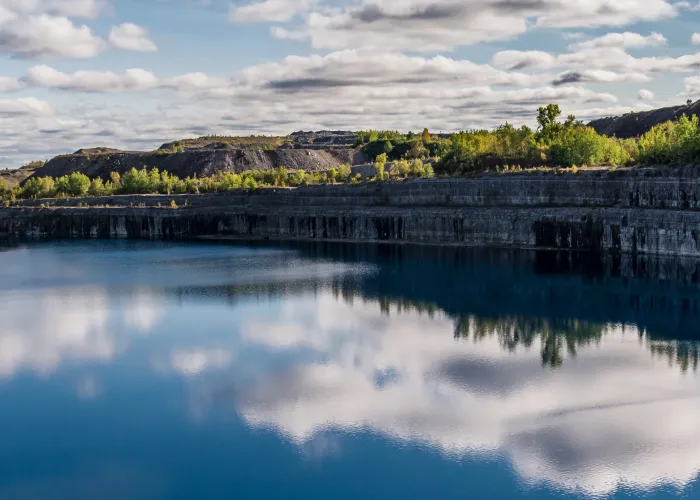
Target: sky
x,y
133,74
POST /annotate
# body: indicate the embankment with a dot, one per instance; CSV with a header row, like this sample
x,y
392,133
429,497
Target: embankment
x,y
630,214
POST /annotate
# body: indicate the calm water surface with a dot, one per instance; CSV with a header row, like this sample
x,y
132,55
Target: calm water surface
x,y
180,371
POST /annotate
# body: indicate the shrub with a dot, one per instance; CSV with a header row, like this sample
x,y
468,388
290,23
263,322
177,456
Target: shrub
x,y
78,184
97,187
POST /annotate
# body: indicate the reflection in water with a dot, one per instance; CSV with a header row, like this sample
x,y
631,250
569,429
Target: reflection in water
x,y
611,417
585,378
40,331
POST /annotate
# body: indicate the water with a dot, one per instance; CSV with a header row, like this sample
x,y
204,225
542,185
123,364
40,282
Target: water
x,y
192,371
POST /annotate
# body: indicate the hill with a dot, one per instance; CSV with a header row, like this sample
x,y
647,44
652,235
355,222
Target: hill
x,y
205,156
636,124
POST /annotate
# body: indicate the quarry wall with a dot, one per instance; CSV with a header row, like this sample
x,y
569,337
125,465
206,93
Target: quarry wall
x,y
630,214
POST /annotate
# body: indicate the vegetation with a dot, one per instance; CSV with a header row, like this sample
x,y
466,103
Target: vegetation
x,y
399,146
554,143
35,164
156,182
251,142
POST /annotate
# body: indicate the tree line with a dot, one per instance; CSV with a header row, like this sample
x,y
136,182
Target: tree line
x,y
154,181
554,143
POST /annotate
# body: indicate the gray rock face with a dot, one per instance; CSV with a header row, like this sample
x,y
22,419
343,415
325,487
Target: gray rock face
x,y
201,162
634,215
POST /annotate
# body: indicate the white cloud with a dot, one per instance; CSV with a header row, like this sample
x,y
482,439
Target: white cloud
x,y
610,59
599,76
46,37
430,25
195,82
267,11
24,106
357,68
692,86
695,39
132,80
9,84
516,59
645,95
70,8
624,40
130,36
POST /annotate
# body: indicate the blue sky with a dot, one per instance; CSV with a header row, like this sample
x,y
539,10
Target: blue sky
x,y
135,73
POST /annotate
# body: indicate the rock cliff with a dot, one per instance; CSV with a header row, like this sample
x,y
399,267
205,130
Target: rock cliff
x,y
635,215
309,151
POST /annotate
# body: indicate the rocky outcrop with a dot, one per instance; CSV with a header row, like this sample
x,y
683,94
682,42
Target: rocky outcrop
x,y
634,215
636,124
309,151
199,162
12,177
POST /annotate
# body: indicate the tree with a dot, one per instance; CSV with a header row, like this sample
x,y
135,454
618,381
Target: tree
x,y
689,102
548,128
388,147
425,135
78,184
417,150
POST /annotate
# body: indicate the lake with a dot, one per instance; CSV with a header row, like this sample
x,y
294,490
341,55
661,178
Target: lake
x,y
140,370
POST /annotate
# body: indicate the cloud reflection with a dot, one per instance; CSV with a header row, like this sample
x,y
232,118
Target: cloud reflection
x,y
613,416
41,330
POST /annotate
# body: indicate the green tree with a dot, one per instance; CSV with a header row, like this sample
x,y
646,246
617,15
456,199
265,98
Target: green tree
x,y
115,179
78,184
97,187
548,128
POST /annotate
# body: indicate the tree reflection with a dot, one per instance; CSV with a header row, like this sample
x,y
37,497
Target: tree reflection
x,y
555,336
684,354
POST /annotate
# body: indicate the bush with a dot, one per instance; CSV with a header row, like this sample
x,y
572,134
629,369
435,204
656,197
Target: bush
x,y
671,142
38,187
78,184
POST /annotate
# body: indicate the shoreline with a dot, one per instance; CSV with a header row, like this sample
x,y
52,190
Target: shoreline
x,y
637,215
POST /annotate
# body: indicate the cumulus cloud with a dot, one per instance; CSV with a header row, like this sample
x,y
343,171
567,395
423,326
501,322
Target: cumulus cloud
x,y
9,84
130,36
645,95
69,8
692,86
92,81
47,37
357,68
598,76
24,106
195,82
517,59
429,25
267,11
611,59
695,39
624,40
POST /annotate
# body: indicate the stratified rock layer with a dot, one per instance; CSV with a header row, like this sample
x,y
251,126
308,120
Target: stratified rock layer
x,y
634,215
